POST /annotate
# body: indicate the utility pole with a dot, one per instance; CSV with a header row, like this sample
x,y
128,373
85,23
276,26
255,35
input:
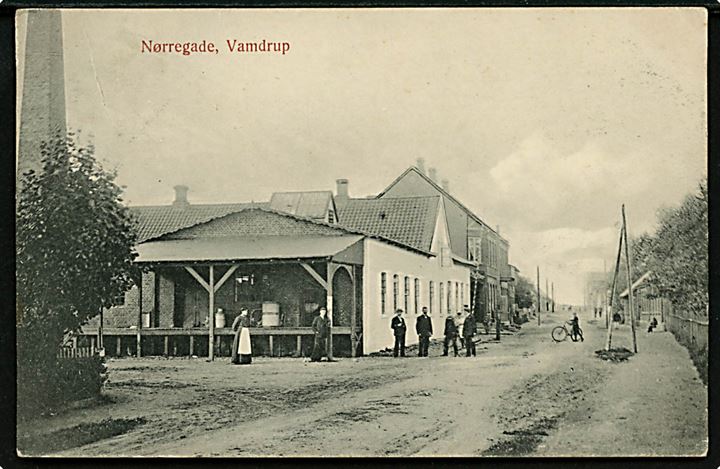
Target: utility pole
x,y
552,297
608,340
628,264
547,294
605,297
539,307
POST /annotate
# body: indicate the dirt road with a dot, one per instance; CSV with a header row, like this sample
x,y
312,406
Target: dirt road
x,y
523,396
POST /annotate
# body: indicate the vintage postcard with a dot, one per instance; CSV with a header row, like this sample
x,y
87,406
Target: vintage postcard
x,y
362,232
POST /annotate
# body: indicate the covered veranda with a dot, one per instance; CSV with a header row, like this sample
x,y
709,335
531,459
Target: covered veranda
x,y
200,285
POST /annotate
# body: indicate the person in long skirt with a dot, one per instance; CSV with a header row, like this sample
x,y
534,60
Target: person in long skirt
x,y
242,349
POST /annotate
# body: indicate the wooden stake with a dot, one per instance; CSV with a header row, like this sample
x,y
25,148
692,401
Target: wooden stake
x,y
608,340
211,312
329,307
353,315
628,264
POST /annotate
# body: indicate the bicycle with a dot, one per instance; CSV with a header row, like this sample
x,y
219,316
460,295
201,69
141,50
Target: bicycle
x,y
561,333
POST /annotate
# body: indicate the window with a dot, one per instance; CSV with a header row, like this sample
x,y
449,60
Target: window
x,y
119,300
407,294
331,217
383,292
431,298
396,288
441,297
475,248
449,298
417,296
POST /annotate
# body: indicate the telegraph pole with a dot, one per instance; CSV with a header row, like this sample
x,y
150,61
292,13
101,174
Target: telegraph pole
x,y
629,281
547,294
552,296
608,339
539,307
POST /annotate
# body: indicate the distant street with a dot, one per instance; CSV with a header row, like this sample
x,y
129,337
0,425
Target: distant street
x,y
524,396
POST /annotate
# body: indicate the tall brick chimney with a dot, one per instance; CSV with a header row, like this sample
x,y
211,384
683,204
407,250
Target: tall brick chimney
x,y
181,200
432,174
42,110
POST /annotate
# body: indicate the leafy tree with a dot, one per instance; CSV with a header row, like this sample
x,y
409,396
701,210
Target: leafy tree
x,y
74,243
677,254
524,293
679,258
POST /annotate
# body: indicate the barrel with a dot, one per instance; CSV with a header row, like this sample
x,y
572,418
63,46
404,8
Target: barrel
x,y
270,314
220,320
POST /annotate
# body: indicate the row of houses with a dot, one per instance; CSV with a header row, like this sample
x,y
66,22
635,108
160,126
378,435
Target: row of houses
x,y
411,245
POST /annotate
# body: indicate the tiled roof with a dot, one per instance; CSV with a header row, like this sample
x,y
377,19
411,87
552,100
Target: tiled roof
x,y
310,204
407,220
438,188
154,221
244,248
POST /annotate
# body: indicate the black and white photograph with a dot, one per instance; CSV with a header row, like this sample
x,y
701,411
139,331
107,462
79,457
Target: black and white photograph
x,y
362,232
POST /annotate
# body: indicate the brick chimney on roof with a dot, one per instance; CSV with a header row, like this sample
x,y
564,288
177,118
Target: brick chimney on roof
x,y
341,191
181,200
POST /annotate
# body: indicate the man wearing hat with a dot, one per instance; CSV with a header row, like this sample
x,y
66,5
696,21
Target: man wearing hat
x,y
399,329
469,329
423,327
451,334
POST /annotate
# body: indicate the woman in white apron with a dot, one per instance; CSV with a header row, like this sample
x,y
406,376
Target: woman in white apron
x,y
242,350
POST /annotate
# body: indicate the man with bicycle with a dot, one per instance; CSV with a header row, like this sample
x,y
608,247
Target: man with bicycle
x,y
576,331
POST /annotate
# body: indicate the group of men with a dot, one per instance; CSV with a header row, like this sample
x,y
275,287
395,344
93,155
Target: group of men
x,y
454,328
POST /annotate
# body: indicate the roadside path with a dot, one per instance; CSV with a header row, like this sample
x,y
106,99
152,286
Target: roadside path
x,y
655,404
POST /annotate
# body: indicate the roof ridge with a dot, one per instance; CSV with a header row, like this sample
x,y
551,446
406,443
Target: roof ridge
x,y
296,217
194,205
444,192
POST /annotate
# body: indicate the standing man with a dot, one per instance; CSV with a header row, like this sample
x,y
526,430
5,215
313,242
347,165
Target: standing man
x,y
321,328
576,331
451,334
399,329
423,327
469,329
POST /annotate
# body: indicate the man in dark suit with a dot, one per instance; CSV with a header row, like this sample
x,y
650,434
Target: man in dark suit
x,y
399,328
321,328
424,330
469,329
451,334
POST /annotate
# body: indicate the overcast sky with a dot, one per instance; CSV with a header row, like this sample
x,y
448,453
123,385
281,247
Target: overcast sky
x,y
544,121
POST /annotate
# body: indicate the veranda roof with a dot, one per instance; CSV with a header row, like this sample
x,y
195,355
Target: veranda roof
x,y
243,248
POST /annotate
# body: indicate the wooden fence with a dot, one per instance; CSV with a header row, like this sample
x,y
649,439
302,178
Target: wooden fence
x,y
690,332
76,352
